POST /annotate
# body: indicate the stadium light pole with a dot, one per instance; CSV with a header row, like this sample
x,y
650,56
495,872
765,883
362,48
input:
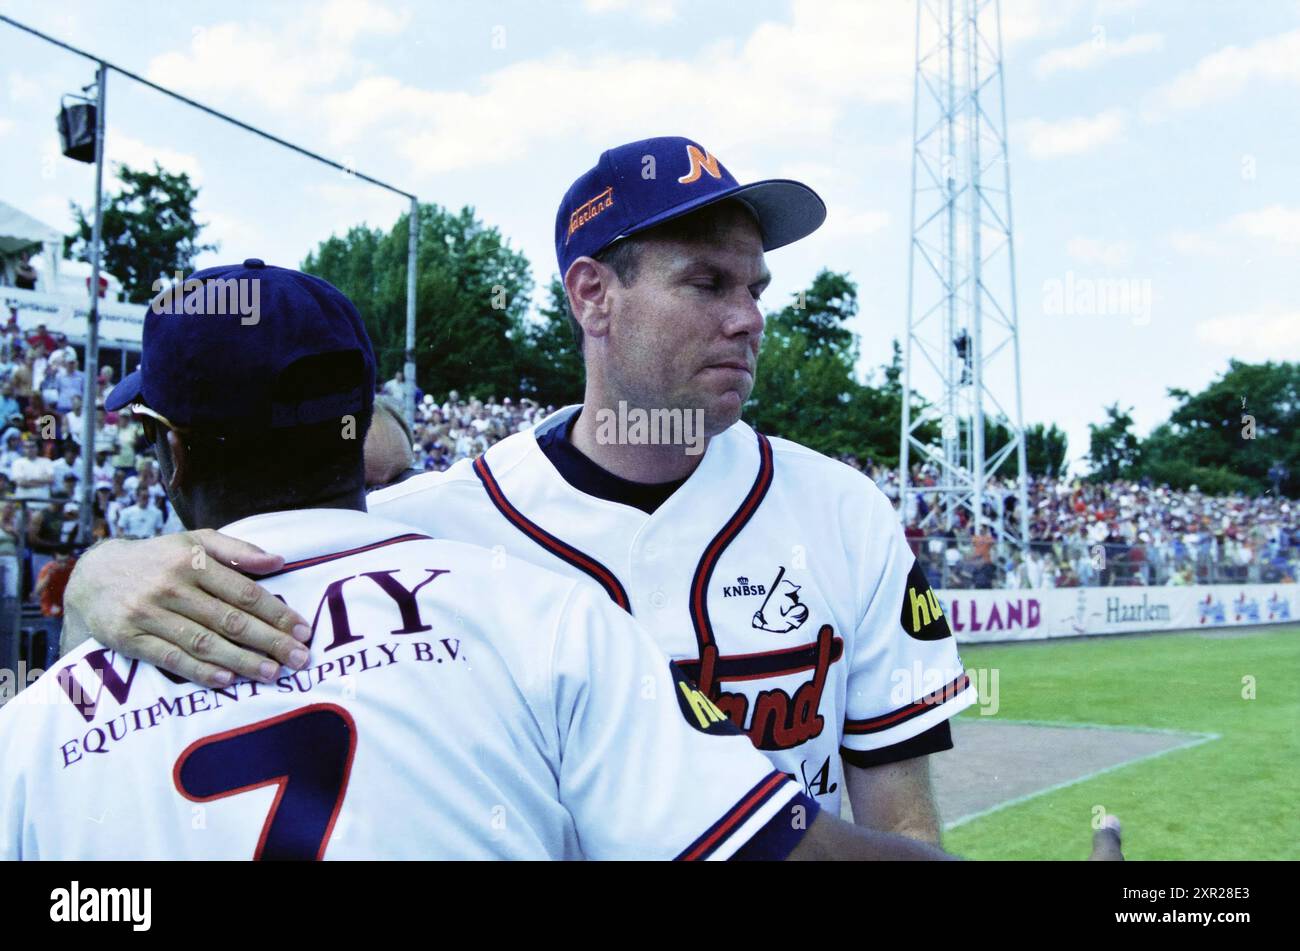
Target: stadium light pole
x,y
90,387
103,66
412,246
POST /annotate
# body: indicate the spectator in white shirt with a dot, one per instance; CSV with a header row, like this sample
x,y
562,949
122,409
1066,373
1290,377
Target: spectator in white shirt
x,y
104,469
32,474
396,387
141,520
105,384
68,464
74,420
148,478
12,451
70,382
105,438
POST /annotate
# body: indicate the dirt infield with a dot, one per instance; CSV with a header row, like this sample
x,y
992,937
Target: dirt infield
x,y
995,764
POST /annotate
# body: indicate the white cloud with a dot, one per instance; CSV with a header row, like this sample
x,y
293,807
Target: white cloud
x,y
1072,136
1277,223
342,21
21,88
651,11
790,80
274,66
842,222
139,155
1027,19
1241,235
1112,254
1274,336
1096,51
6,126
1197,244
1224,73
237,238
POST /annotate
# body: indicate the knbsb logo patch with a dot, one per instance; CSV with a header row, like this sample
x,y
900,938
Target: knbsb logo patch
x,y
783,613
922,616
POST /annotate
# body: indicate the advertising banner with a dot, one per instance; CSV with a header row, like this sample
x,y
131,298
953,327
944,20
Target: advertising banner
x,y
120,325
980,616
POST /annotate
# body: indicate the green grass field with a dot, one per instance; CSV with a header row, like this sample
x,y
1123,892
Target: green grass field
x,y
1237,797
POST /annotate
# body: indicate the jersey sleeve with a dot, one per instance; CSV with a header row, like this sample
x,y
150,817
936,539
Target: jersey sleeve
x,y
649,767
905,675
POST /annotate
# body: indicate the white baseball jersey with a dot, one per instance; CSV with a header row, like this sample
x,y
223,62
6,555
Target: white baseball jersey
x,y
453,707
779,579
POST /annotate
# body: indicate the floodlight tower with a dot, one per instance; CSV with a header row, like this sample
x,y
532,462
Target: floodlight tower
x,y
963,341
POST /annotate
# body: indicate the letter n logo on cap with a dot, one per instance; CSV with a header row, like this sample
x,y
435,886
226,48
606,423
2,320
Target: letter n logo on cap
x,y
700,162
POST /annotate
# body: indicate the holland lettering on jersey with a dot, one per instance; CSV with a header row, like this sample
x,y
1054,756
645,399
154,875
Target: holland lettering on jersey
x,y
779,721
103,904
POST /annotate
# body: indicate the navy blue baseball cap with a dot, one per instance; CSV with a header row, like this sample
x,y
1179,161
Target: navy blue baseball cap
x,y
642,184
251,347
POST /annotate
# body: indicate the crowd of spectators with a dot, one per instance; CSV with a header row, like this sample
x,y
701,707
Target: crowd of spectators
x,y
42,430
1115,533
1081,533
459,428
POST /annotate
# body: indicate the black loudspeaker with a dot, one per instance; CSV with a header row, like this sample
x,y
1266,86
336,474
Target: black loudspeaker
x,y
77,130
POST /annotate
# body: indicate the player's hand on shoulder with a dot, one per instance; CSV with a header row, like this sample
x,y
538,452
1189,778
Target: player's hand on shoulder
x,y
177,602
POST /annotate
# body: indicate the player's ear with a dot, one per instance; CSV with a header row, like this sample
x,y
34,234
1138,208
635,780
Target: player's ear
x,y
588,284
178,451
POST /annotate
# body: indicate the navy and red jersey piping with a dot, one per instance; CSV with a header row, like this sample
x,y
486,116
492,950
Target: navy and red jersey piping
x,y
908,711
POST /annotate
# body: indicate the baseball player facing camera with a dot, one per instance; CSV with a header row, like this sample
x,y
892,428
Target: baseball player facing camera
x,y
432,717
779,581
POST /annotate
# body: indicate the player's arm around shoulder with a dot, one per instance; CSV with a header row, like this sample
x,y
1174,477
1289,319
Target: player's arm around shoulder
x,y
184,602
890,731
650,768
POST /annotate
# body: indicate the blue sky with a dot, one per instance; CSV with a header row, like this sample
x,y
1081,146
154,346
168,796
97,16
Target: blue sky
x,y
1150,141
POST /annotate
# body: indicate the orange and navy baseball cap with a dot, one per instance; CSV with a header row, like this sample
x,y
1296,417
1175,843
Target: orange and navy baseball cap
x,y
251,347
642,184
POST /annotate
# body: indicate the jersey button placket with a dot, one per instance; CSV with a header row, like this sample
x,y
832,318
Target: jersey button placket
x,y
658,599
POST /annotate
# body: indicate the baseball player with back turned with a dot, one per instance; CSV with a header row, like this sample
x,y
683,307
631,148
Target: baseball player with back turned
x,y
432,719
778,579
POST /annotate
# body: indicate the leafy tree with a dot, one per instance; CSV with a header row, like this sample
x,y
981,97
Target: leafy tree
x,y
1045,449
552,366
820,312
149,230
1113,448
472,298
1229,436
806,389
